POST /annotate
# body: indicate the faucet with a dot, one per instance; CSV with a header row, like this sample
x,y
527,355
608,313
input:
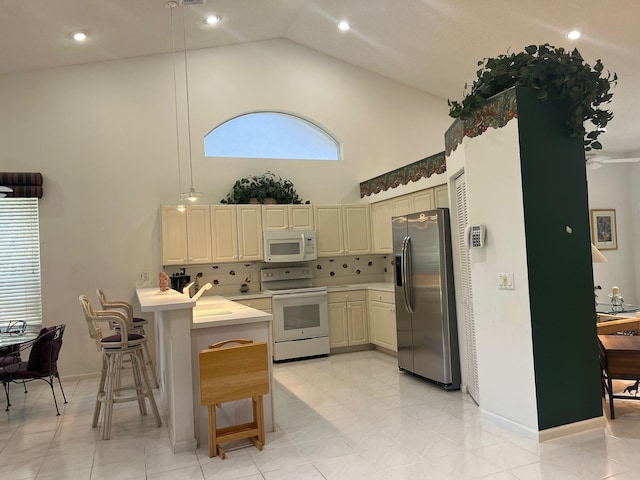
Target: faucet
x,y
185,290
203,289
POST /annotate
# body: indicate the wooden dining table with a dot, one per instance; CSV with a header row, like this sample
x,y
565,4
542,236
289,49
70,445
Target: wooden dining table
x,y
620,360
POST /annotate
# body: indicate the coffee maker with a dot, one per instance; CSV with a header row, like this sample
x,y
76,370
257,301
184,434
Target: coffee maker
x,y
179,281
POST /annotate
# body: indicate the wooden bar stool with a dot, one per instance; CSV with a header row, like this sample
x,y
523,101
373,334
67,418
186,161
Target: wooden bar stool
x,y
114,348
137,326
234,372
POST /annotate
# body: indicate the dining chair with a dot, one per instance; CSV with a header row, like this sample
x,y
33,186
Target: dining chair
x,y
123,344
137,325
42,363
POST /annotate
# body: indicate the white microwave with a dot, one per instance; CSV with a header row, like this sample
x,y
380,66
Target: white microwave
x,y
289,246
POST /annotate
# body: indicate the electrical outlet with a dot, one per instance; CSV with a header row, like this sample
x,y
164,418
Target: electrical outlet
x,y
143,277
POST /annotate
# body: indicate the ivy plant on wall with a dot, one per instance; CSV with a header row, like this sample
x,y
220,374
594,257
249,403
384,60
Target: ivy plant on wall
x,y
552,72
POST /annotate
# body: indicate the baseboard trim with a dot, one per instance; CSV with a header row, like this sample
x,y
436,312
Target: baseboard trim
x,y
509,424
571,428
548,433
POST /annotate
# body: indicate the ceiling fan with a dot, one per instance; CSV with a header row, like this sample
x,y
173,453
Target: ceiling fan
x,y
4,191
597,161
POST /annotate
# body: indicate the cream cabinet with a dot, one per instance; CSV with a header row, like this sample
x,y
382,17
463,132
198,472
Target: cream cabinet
x,y
186,234
329,235
298,217
348,322
263,304
424,200
382,319
381,213
343,230
402,205
442,196
224,233
249,233
236,232
356,222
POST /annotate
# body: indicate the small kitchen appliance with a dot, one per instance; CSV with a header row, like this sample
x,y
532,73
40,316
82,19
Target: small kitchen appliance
x,y
284,246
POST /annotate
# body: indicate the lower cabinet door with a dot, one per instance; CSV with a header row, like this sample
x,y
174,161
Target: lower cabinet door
x,y
338,332
357,323
382,317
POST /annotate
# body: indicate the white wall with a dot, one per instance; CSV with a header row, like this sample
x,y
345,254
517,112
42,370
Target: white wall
x,y
502,317
103,136
614,186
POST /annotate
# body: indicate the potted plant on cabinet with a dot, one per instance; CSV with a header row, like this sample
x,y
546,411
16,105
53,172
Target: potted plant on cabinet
x,y
265,188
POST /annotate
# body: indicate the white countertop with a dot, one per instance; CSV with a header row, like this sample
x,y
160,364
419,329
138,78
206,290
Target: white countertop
x,y
246,296
385,287
152,300
217,311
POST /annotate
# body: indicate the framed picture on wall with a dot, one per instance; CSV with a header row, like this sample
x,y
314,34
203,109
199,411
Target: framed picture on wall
x,y
603,229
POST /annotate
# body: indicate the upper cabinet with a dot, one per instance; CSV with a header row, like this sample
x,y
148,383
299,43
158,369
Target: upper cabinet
x,y
356,222
224,233
442,196
297,217
236,231
249,233
329,233
382,213
342,230
186,234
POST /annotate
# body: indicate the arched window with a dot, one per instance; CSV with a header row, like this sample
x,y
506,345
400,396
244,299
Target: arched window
x,y
271,135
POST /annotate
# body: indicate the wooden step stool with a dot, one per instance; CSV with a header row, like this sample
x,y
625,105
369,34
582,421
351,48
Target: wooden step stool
x,y
234,372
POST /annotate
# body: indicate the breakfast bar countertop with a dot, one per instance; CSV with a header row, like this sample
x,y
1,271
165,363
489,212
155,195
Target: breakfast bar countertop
x,y
216,311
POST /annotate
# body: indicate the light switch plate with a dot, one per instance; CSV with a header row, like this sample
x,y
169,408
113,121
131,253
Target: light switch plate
x,y
505,281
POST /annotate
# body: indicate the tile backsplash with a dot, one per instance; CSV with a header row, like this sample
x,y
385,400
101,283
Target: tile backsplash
x,y
227,278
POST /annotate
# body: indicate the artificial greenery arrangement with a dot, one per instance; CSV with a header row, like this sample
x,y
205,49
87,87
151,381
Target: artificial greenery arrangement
x,y
552,72
262,189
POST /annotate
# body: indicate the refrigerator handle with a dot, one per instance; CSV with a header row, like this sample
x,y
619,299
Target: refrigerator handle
x,y
406,273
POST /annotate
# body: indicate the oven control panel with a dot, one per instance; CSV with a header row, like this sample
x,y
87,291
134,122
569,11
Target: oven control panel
x,y
285,273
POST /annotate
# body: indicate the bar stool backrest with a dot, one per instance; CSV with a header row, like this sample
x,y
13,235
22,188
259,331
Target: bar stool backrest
x,y
101,320
120,305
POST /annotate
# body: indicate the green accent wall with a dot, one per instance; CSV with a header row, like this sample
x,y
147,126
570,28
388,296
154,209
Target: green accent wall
x,y
560,269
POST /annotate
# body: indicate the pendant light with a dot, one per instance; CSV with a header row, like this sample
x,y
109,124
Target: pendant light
x,y
192,195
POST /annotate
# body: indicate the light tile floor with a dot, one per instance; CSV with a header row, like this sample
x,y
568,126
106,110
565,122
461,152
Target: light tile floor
x,y
349,416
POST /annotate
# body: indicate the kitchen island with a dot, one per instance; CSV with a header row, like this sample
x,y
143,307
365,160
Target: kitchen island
x,y
181,332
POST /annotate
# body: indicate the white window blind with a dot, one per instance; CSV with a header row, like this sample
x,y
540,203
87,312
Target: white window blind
x,y
20,290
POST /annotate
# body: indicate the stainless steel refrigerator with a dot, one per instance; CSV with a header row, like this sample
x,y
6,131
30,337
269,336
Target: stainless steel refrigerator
x,y
425,301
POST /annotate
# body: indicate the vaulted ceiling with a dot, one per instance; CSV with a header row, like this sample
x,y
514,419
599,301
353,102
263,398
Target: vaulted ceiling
x,y
433,45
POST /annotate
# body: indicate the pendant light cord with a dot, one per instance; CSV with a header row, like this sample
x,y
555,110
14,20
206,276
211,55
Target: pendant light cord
x,y
175,95
186,80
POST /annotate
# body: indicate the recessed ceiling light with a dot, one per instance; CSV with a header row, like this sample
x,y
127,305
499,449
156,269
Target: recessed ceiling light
x,y
344,26
212,19
79,36
574,35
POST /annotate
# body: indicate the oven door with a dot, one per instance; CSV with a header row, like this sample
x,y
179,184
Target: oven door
x,y
297,316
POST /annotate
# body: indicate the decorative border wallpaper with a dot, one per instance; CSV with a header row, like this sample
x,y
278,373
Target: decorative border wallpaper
x,y
403,175
496,113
